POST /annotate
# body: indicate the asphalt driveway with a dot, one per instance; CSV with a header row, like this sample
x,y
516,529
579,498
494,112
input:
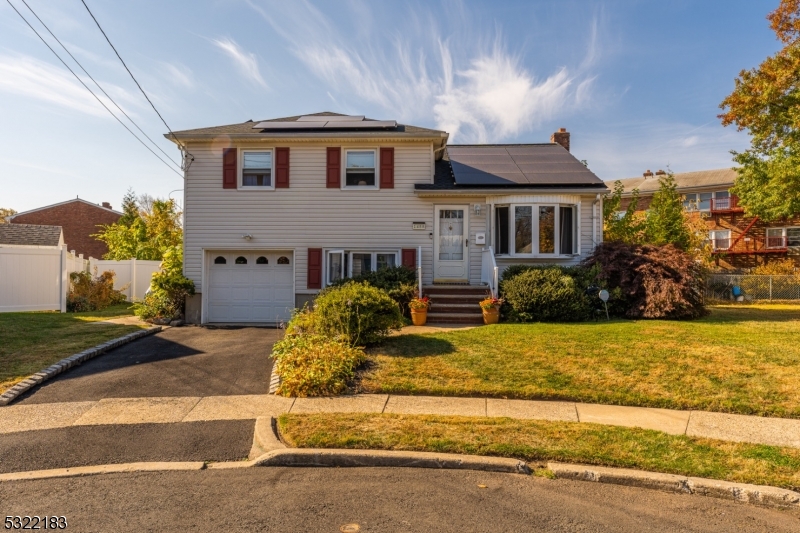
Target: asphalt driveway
x,y
187,361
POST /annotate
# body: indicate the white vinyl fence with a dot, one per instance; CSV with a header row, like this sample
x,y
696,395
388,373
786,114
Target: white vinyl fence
x,y
749,287
37,279
133,275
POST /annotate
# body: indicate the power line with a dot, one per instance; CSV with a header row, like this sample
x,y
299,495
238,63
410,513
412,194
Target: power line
x,y
88,89
135,81
98,85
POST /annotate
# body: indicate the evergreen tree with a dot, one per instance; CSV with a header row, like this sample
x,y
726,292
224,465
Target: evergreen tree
x,y
130,209
666,219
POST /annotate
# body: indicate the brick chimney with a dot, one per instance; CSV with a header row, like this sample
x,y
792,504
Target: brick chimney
x,y
660,173
647,174
561,137
107,205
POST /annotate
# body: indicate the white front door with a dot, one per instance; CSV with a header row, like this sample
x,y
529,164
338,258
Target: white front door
x,y
450,254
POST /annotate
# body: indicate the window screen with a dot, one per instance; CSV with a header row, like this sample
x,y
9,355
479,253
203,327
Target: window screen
x,y
360,170
257,169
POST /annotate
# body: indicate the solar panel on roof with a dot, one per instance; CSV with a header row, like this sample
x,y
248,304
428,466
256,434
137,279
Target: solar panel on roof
x,y
365,125
333,118
288,125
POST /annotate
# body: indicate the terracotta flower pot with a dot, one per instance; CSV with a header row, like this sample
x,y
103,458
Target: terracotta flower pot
x,y
491,316
419,316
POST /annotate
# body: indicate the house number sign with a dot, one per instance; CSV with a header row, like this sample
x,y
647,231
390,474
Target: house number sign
x,y
417,225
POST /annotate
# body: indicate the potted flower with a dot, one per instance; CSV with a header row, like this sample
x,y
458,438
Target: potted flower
x,y
491,309
419,310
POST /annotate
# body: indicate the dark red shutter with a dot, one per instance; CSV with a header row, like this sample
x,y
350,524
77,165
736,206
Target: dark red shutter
x,y
387,168
229,168
334,175
409,258
281,168
314,268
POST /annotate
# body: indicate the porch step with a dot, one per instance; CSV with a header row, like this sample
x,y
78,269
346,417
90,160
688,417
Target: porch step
x,y
455,299
454,318
456,290
462,307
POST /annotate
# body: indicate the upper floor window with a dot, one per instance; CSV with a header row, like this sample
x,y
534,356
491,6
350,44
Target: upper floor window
x,y
701,201
257,169
360,168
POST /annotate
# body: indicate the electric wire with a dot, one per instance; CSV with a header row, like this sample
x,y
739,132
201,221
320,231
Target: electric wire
x,y
98,85
136,81
88,89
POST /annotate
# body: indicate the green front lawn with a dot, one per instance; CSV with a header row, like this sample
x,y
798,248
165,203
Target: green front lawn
x,y
30,342
740,359
538,440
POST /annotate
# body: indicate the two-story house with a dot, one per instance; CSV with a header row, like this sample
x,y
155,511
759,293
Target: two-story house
x,y
738,241
276,210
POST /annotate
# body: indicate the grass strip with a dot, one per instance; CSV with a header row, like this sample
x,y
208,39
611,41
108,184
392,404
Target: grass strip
x,y
30,342
537,440
739,359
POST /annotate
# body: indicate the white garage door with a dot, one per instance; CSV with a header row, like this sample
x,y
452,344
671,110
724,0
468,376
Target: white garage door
x,y
250,286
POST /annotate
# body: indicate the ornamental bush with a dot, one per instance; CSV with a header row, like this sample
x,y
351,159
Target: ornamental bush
x,y
168,289
92,293
650,281
543,294
315,365
358,312
400,283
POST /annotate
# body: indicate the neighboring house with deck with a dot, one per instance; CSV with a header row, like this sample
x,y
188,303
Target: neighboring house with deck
x,y
738,241
79,220
276,210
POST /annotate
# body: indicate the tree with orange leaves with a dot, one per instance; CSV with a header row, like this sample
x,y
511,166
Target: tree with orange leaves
x,y
766,102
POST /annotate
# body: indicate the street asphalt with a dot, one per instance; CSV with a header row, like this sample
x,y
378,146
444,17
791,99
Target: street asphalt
x,y
221,440
186,361
376,500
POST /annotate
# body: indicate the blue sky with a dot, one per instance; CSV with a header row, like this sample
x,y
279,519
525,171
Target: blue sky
x,y
637,83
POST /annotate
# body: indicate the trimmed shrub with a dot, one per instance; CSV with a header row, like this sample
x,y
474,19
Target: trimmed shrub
x,y
358,312
315,365
92,293
400,283
544,294
650,281
168,289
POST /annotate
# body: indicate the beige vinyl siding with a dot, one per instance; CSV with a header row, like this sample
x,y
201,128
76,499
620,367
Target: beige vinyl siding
x,y
307,214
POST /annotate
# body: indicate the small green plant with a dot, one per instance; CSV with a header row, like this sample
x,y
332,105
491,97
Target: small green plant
x,y
400,283
168,289
491,303
358,312
419,304
315,365
545,295
92,293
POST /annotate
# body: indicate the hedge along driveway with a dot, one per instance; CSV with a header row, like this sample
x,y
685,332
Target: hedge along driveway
x,y
739,359
30,342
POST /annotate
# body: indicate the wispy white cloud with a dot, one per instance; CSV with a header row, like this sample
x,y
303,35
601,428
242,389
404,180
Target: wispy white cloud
x,y
476,93
28,77
246,62
179,75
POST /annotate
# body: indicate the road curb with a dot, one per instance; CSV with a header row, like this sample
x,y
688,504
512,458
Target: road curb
x,y
122,468
742,492
68,362
384,458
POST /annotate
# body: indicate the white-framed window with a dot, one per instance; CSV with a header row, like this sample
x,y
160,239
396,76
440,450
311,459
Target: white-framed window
x,y
536,230
360,169
701,201
783,237
720,239
350,263
256,170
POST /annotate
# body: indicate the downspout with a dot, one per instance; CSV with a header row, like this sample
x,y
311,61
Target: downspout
x,y
594,219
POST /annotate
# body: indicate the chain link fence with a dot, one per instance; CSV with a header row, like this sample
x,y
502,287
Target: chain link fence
x,y
749,287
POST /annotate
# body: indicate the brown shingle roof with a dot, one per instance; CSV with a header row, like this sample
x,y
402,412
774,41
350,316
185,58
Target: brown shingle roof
x,y
246,128
30,234
721,177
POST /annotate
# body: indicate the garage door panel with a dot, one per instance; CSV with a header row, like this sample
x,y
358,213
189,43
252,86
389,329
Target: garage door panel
x,y
251,292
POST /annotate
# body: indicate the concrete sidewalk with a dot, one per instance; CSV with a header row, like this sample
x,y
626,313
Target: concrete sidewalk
x,y
739,428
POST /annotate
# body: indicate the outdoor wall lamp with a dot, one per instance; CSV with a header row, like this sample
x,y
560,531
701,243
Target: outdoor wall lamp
x,y
247,236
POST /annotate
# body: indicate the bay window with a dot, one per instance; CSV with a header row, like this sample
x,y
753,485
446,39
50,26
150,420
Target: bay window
x,y
351,263
537,229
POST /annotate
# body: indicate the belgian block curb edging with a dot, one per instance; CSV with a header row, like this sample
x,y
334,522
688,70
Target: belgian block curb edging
x,y
68,362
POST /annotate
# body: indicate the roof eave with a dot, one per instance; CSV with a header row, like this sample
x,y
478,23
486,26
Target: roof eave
x,y
510,190
305,136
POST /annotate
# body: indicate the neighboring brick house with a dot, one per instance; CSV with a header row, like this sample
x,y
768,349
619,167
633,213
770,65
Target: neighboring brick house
x,y
79,220
738,241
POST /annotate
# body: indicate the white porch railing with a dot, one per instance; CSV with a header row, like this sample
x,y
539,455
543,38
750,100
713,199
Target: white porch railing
x,y
489,271
419,271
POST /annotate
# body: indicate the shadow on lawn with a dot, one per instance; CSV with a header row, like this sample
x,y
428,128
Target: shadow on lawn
x,y
415,346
